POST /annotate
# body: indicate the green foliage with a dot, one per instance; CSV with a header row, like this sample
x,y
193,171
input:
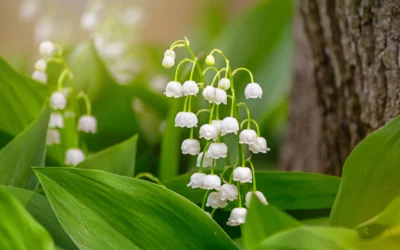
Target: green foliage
x,y
370,178
116,212
118,159
263,221
21,99
24,151
18,230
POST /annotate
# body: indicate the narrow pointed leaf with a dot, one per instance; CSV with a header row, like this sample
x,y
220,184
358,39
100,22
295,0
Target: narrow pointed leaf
x,y
100,210
24,151
262,221
21,99
18,230
370,179
118,159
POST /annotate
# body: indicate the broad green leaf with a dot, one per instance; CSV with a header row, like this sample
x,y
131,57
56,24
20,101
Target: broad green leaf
x,y
329,238
21,100
118,159
39,207
370,179
322,221
263,221
100,210
390,217
286,190
170,145
24,151
18,230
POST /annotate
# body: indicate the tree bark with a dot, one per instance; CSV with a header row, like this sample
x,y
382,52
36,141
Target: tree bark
x,y
346,82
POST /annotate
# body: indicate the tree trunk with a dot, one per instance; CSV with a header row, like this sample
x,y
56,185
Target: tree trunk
x,y
346,82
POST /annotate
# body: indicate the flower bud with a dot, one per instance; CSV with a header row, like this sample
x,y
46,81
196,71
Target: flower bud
x,y
41,65
210,60
186,120
208,132
197,180
212,181
87,124
56,120
58,101
220,96
190,146
168,62
242,174
260,146
39,76
217,150
207,162
260,196
173,89
170,53
229,125
209,93
248,136
215,201
53,137
238,217
228,192
253,90
47,48
190,88
74,156
224,84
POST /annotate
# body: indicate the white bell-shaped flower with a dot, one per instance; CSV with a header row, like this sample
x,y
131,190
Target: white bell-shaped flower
x,y
87,124
217,125
214,201
53,137
39,76
168,62
208,132
212,181
260,196
74,156
217,150
197,180
56,120
173,89
190,88
47,48
170,53
220,96
207,162
248,136
228,192
58,101
229,125
186,120
242,174
209,93
191,147
260,146
253,90
224,83
210,60
238,217
41,65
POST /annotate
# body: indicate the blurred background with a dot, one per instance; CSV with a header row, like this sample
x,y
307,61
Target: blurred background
x,y
115,48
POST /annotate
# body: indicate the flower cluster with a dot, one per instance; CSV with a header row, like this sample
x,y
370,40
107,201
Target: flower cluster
x,y
219,191
59,99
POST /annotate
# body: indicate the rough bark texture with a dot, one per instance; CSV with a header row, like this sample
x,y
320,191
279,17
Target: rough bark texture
x,y
347,81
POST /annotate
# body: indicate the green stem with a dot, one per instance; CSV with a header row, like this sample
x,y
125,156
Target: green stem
x,y
244,69
253,172
202,111
254,122
66,73
213,211
178,67
203,205
190,103
191,133
242,104
85,97
203,156
212,166
211,114
185,104
239,195
150,177
192,71
217,75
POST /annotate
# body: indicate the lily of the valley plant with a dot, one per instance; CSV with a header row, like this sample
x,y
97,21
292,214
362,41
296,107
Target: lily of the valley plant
x,y
220,191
